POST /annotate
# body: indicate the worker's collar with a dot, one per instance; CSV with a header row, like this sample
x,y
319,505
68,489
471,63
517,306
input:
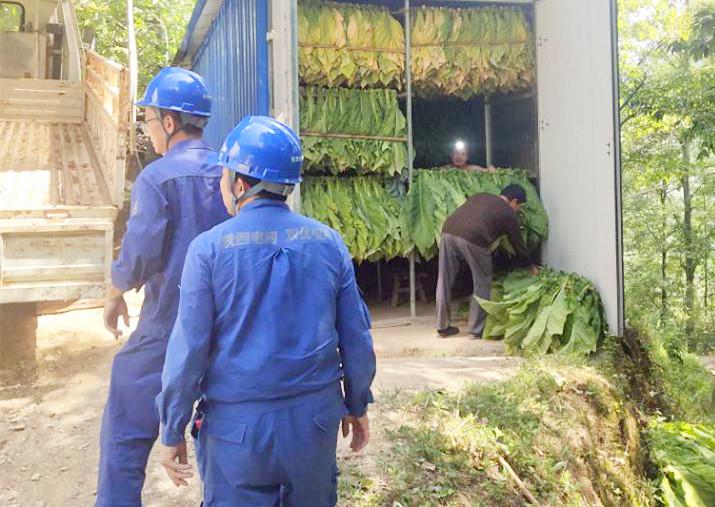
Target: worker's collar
x,y
188,144
262,202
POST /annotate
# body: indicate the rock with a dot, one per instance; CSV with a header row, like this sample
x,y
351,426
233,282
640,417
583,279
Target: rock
x,y
11,495
35,477
18,427
64,469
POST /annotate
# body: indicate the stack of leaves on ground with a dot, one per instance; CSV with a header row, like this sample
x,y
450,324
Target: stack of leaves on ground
x,y
685,455
472,51
561,426
329,116
361,210
357,46
435,194
552,312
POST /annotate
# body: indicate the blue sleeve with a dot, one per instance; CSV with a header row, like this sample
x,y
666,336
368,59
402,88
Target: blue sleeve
x,y
142,250
354,339
187,353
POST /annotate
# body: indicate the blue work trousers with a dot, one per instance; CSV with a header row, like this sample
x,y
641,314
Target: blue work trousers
x,y
130,424
271,454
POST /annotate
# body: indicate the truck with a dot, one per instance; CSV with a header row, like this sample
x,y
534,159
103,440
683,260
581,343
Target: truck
x,y
249,52
64,119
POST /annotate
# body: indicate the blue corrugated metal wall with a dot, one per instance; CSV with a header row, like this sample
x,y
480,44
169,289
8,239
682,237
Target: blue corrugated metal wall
x,y
234,61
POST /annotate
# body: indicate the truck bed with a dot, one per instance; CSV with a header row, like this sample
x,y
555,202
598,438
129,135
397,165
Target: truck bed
x,y
48,164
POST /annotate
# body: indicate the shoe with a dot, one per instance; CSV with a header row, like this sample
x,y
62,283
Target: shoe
x,y
474,336
448,331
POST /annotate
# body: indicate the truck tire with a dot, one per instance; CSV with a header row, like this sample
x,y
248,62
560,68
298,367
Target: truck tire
x,y
18,336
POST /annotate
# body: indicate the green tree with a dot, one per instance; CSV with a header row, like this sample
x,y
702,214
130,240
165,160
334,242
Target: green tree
x,y
668,127
160,26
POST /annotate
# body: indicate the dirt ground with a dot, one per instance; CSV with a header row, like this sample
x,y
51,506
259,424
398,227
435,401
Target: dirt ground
x,y
49,425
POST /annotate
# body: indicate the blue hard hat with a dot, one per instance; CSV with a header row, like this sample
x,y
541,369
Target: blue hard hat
x,y
263,148
177,89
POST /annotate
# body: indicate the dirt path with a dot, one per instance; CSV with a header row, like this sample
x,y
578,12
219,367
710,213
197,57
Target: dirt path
x,y
49,426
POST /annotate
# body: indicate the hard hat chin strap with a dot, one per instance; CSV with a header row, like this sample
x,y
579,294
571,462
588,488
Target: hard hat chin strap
x,y
273,188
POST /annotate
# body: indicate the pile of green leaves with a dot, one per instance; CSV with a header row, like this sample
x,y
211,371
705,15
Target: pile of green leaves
x,y
365,214
552,312
685,454
472,51
349,45
352,112
437,193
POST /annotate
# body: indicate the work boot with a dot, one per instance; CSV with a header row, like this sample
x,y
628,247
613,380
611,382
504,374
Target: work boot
x,y
448,331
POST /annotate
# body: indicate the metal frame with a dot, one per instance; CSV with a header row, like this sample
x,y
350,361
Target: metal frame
x,y
410,145
617,168
22,13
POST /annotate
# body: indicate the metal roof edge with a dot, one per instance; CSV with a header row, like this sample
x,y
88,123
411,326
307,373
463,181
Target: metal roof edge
x,y
202,17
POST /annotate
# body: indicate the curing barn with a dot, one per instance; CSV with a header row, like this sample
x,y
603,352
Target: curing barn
x,y
380,97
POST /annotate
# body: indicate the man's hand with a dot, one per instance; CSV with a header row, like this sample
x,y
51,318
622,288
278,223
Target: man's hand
x,y
175,462
534,270
361,431
114,307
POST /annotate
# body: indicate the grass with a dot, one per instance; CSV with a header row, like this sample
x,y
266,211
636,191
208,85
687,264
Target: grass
x,y
567,435
571,429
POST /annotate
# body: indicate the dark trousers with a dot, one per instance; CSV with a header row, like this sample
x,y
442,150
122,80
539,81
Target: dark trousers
x,y
453,251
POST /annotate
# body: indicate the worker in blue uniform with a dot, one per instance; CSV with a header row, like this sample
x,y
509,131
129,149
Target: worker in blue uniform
x,y
270,320
173,199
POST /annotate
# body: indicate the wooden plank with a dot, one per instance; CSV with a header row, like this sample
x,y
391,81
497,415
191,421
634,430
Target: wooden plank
x,y
55,214
57,249
39,116
26,293
79,168
23,98
43,106
35,85
44,274
36,225
66,179
97,102
54,172
100,182
101,82
125,133
5,132
26,98
96,58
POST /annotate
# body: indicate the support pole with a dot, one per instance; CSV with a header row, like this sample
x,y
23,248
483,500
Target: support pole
x,y
410,147
379,281
488,136
133,76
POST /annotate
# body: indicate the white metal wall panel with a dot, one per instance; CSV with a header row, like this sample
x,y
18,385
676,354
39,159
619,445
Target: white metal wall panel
x,y
578,143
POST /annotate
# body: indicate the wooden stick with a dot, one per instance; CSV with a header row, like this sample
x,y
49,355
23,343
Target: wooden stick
x,y
444,44
354,136
351,48
447,44
522,487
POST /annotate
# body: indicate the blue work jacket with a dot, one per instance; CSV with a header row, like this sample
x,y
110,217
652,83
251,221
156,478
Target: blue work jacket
x,y
269,310
174,199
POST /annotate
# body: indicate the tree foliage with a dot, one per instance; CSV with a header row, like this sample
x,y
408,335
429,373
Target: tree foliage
x,y
668,135
159,24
